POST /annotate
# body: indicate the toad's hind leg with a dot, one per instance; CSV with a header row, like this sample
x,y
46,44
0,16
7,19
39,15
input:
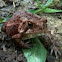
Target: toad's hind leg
x,y
54,48
48,33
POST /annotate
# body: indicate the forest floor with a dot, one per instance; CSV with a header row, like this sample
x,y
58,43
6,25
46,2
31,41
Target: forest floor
x,y
9,52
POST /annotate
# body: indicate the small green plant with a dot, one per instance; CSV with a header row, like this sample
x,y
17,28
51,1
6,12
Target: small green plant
x,y
2,21
45,8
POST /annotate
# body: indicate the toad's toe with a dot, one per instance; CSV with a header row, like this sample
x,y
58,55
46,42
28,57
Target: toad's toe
x,y
56,52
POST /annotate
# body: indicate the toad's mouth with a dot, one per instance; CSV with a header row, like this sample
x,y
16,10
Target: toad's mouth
x,y
31,35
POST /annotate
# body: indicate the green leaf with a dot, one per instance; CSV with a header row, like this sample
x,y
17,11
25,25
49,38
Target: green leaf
x,y
46,10
39,5
35,11
7,18
60,1
1,23
48,3
0,27
1,19
49,10
37,53
32,11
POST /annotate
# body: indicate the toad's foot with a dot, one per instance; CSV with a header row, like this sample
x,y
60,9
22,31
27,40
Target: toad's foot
x,y
56,51
22,44
25,45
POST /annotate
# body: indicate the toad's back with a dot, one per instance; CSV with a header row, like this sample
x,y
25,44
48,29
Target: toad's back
x,y
11,26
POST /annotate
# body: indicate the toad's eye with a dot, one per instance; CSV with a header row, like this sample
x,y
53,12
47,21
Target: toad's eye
x,y
30,25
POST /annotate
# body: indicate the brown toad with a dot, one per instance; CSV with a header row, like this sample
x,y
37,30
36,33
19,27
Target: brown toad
x,y
22,23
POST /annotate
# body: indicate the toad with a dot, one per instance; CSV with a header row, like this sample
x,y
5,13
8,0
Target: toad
x,y
23,23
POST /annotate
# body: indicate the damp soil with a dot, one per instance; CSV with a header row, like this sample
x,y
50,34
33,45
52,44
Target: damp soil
x,y
9,51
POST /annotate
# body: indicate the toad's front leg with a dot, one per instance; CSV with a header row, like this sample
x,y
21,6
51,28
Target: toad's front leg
x,y
22,44
19,42
21,29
